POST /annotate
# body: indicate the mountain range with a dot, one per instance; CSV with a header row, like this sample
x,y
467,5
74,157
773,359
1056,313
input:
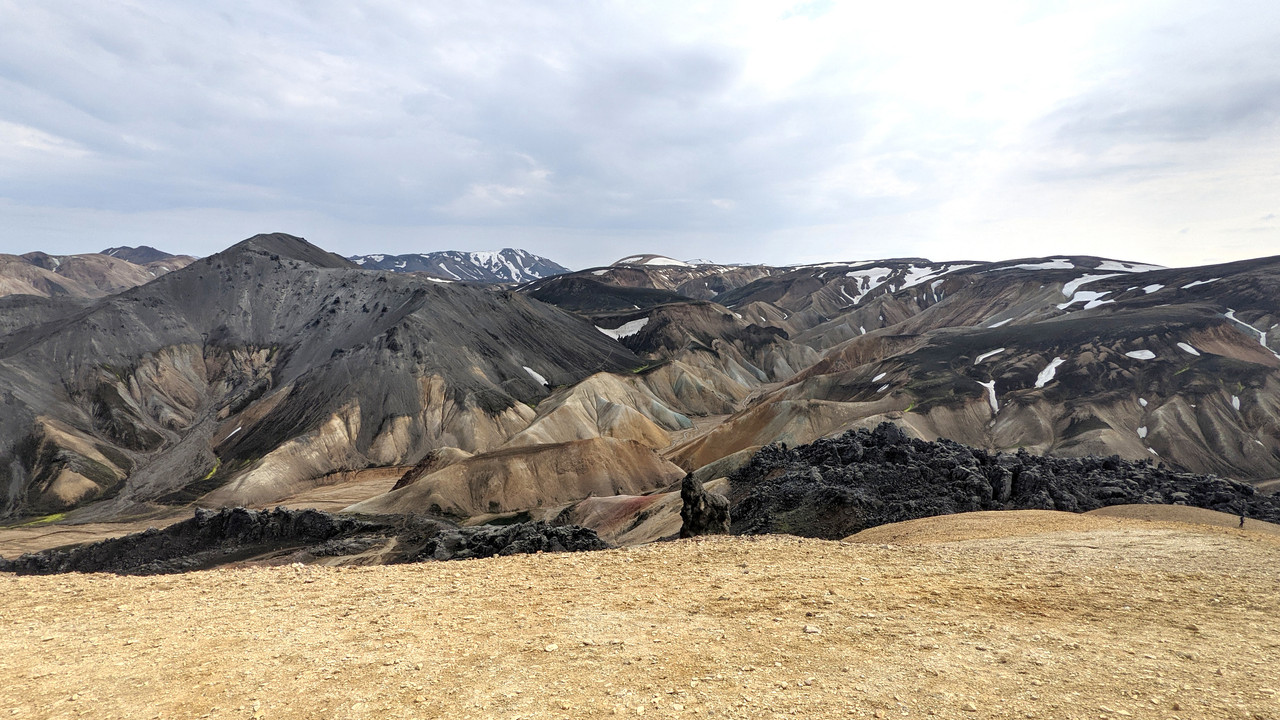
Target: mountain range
x,y
502,266
89,275
275,368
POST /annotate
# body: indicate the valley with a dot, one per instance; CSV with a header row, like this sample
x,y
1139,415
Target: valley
x,y
277,373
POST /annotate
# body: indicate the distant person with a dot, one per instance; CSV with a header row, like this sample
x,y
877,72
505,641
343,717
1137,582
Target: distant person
x,y
1242,518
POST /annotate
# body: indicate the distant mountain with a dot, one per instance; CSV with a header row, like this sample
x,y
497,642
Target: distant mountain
x,y
650,259
501,266
91,275
140,255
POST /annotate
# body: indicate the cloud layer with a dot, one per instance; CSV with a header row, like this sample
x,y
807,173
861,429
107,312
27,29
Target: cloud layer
x,y
779,132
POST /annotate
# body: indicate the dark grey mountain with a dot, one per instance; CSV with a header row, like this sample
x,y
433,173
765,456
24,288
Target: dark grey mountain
x,y
269,365
140,255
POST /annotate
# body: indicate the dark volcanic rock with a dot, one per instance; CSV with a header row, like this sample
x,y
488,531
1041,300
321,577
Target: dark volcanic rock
x,y
140,255
835,487
531,537
209,538
703,513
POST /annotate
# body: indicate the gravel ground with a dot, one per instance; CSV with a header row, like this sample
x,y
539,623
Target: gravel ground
x,y
1109,617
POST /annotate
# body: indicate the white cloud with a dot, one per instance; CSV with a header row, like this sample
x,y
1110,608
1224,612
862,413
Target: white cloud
x,y
772,131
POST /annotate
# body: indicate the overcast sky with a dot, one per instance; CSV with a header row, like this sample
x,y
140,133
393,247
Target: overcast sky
x,y
775,132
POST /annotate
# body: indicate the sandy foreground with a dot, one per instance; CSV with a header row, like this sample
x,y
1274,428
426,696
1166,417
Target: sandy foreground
x,y
1088,618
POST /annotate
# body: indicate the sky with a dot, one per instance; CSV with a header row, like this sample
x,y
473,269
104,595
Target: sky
x,y
775,132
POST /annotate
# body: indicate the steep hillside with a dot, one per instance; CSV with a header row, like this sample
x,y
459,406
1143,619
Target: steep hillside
x,y
502,266
273,364
1067,356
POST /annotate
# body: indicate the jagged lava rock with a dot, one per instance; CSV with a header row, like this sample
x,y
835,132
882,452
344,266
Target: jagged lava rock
x,y
703,513
835,487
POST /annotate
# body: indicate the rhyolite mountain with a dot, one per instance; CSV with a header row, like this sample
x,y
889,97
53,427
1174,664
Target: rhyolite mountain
x,y
502,266
89,275
1064,356
275,366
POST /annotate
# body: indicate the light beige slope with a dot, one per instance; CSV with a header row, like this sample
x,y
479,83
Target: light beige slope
x,y
1009,524
88,275
19,277
603,405
1143,623
520,478
627,520
794,422
1185,514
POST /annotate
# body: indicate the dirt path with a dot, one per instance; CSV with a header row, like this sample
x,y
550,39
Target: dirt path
x,y
1126,619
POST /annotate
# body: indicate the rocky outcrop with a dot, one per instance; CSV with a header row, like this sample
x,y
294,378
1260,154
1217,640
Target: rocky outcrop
x,y
835,487
531,537
210,539
702,512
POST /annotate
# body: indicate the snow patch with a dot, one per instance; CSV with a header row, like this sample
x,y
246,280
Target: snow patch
x,y
1142,402
1262,334
1188,348
666,261
626,329
1046,375
1235,403
917,275
1152,288
655,260
862,330
1142,432
1141,354
868,279
879,377
1055,264
1091,299
1127,266
1069,289
986,355
599,272
1002,323
990,385
883,388
1200,282
535,375
233,432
